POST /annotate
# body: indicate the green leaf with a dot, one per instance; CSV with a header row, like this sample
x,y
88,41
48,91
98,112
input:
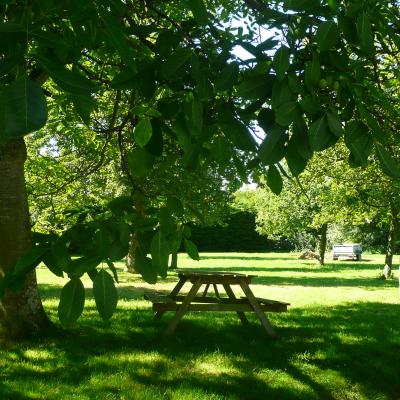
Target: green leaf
x,y
310,105
143,132
126,79
221,150
175,241
281,94
117,38
361,149
255,86
272,148
286,113
175,62
320,135
82,265
388,164
300,139
281,62
365,34
72,301
27,262
69,80
105,294
146,268
197,115
227,77
239,134
312,73
160,253
140,162
23,109
84,105
175,206
8,64
334,123
266,119
327,35
295,161
274,179
191,249
199,11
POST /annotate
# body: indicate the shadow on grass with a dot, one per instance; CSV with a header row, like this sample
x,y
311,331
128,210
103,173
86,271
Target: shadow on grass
x,y
320,352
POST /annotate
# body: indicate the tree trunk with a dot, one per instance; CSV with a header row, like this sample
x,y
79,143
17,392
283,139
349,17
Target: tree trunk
x,y
130,257
322,243
391,241
21,313
174,261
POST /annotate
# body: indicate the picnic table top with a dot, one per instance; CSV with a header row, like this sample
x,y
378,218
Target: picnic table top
x,y
204,272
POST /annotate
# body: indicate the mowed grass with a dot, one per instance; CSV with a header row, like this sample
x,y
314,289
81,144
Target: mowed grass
x,y
340,339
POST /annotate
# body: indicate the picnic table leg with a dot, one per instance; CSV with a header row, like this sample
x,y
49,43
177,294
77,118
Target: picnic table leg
x,y
232,296
174,292
182,309
256,307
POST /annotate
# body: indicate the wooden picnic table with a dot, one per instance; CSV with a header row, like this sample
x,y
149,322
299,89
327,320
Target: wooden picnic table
x,y
204,302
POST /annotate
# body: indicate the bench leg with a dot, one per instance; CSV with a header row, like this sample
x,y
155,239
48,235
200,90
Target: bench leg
x,y
174,292
183,308
232,296
256,307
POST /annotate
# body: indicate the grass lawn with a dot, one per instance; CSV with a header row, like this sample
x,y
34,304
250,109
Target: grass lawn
x,y
339,340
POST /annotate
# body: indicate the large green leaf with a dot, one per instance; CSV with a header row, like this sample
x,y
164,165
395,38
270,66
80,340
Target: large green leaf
x,y
239,134
221,149
281,62
272,148
69,80
199,11
334,123
160,253
327,35
274,179
175,62
117,38
365,34
227,77
145,267
23,109
320,135
82,265
105,294
294,159
191,249
388,164
287,113
72,301
140,162
312,73
255,86
281,94
143,132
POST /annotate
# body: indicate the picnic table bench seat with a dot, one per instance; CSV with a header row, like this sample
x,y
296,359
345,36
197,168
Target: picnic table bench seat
x,y
163,302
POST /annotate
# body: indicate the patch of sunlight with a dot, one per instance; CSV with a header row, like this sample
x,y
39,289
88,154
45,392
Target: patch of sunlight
x,y
185,392
139,358
283,380
38,355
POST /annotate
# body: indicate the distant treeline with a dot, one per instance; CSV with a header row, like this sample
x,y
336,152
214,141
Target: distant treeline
x,y
237,234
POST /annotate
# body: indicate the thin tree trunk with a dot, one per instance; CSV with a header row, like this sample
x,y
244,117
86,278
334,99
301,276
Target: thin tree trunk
x,y
322,243
174,261
130,257
391,241
21,313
